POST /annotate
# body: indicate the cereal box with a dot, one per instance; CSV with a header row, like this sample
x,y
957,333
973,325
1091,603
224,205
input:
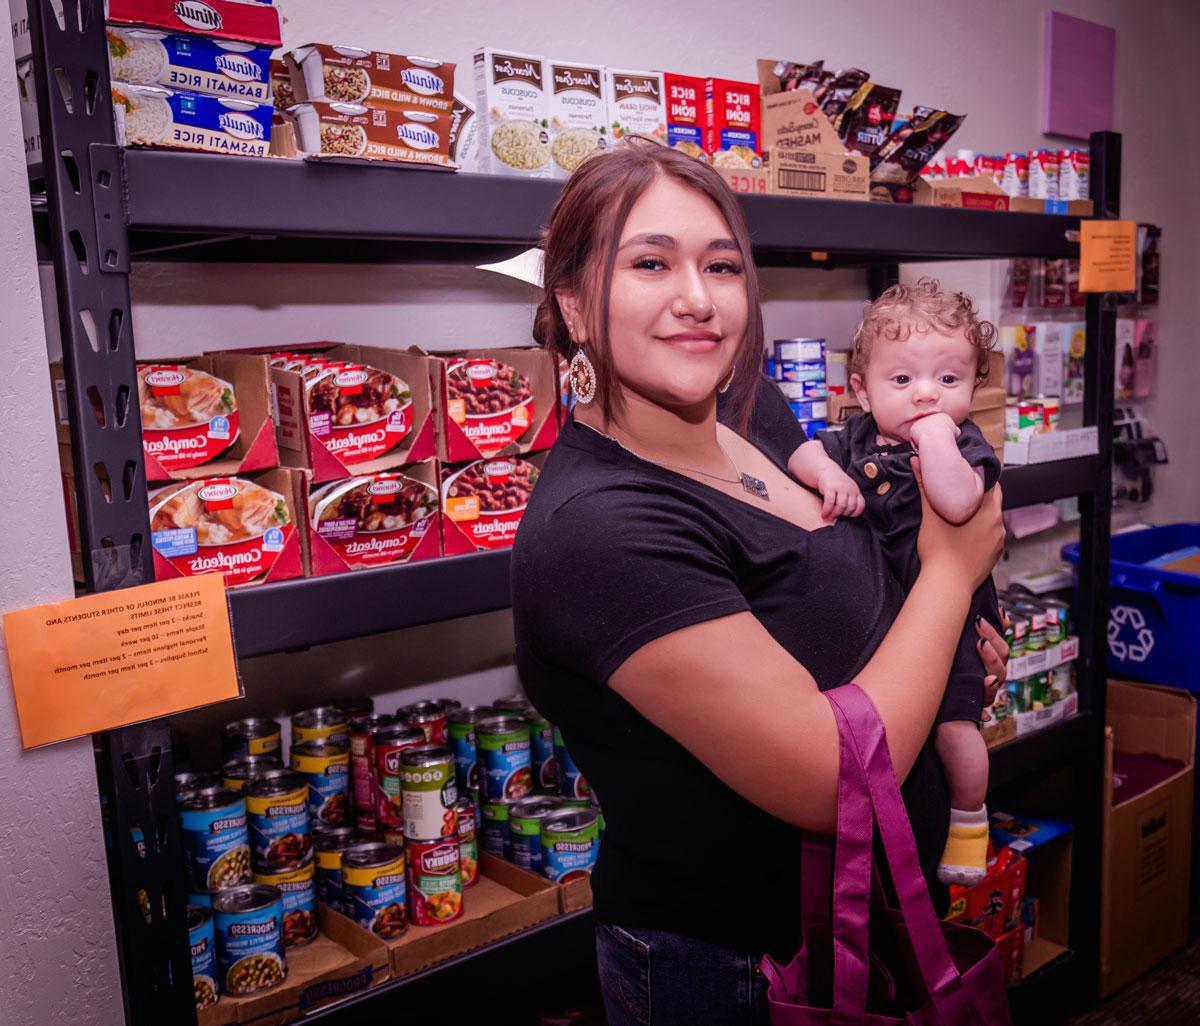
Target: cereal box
x,y
349,74
686,117
514,113
352,130
732,125
635,103
196,63
578,115
157,116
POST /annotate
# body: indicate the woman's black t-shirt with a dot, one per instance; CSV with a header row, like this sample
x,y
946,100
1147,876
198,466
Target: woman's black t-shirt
x,y
614,552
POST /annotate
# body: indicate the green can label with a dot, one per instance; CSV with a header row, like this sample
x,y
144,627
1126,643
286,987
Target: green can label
x,y
429,794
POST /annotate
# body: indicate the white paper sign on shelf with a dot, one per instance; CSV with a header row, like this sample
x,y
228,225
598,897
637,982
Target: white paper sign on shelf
x,y
1053,445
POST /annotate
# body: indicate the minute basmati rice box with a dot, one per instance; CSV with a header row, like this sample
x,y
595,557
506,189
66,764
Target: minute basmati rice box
x,y
578,114
514,113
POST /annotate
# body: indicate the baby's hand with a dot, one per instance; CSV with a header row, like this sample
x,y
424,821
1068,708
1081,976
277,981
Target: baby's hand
x,y
842,496
929,427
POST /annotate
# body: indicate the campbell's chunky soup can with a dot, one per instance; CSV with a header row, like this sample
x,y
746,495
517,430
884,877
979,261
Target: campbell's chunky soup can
x,y
390,742
203,939
434,881
249,737
429,793
506,768
237,773
215,837
375,891
429,716
297,886
486,499
327,768
324,723
460,730
571,783
468,841
329,845
249,922
279,819
525,828
363,728
497,837
570,842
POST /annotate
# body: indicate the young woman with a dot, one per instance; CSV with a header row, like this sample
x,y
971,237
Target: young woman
x,y
680,602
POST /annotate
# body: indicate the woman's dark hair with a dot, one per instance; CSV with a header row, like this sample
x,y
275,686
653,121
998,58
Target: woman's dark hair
x,y
581,250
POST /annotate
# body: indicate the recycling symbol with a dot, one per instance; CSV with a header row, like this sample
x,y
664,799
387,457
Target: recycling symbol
x,y
1129,639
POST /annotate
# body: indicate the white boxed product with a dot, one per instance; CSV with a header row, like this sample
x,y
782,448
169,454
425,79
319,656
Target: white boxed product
x,y
514,113
1052,445
578,114
30,129
801,349
464,134
1048,361
636,103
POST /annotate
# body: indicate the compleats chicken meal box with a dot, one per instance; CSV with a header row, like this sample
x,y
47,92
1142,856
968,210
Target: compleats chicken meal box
x,y
347,74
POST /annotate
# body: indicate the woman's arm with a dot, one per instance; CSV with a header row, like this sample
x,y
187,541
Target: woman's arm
x,y
732,696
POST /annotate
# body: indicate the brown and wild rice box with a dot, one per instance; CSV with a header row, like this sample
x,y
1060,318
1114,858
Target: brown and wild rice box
x,y
512,99
349,74
409,136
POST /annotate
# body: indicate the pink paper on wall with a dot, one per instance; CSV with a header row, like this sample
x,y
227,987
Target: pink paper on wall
x,y
1080,61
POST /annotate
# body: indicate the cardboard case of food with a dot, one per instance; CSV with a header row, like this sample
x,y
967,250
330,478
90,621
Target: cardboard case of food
x,y
221,19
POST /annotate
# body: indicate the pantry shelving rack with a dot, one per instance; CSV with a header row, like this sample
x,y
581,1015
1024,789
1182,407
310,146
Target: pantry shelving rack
x,y
104,208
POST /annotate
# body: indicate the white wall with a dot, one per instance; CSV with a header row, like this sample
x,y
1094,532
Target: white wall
x,y
58,959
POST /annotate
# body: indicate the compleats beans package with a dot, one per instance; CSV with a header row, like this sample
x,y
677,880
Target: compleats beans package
x,y
484,502
349,74
156,116
194,63
513,104
408,136
578,115
635,103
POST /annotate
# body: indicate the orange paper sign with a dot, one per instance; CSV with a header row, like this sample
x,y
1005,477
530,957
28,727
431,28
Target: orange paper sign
x,y
1107,256
121,657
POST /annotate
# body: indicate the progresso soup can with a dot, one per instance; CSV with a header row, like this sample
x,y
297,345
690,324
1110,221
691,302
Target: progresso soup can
x,y
541,739
497,837
279,820
323,723
428,793
186,783
237,772
327,767
571,783
328,848
375,889
362,764
460,730
389,743
570,842
525,828
255,736
203,940
505,766
468,841
249,922
215,838
297,887
356,707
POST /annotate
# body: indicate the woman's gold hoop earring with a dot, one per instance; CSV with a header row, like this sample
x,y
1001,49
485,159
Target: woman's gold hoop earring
x,y
723,388
583,378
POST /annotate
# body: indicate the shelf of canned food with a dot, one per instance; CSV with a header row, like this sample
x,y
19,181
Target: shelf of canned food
x,y
386,843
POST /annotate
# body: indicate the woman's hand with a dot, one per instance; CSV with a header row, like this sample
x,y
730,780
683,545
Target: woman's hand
x,y
972,548
993,650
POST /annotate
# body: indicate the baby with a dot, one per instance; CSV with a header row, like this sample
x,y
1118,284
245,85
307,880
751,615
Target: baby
x,y
918,356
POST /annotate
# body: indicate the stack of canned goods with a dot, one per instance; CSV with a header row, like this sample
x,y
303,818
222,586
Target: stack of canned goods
x,y
1035,624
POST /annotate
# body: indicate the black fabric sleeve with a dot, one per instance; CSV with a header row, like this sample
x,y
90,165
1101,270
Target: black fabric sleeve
x,y
963,699
774,429
976,451
839,444
620,567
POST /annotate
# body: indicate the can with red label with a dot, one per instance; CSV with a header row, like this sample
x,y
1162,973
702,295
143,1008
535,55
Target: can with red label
x,y
434,881
429,716
362,764
468,842
389,742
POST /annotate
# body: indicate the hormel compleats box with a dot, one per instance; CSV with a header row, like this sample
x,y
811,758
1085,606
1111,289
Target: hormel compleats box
x,y
495,401
156,116
483,501
513,102
636,104
354,410
578,114
374,520
194,63
732,124
686,114
221,19
245,528
351,130
348,74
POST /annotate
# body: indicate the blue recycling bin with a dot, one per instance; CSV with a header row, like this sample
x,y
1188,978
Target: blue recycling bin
x,y
1153,614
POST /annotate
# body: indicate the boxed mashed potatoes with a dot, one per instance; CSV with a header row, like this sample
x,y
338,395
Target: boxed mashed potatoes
x,y
578,116
514,113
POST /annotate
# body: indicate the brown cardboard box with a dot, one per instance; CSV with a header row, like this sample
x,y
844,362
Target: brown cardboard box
x,y
71,500
755,181
1049,881
505,900
343,960
978,192
1147,838
576,894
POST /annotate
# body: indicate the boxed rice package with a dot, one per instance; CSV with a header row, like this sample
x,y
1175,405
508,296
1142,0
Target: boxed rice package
x,y
220,19
512,99
348,74
578,116
464,135
732,125
635,103
686,115
161,117
339,130
198,64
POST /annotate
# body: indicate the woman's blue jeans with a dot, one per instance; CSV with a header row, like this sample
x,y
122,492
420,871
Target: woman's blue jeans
x,y
656,978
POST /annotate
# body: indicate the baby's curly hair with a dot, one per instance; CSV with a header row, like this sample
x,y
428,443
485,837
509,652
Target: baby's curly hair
x,y
903,309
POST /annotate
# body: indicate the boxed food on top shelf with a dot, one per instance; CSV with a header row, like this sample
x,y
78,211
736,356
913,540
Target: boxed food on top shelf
x,y
197,64
355,410
157,116
31,130
338,130
282,94
513,104
248,22
247,529
349,74
495,402
733,112
686,113
373,520
464,135
483,501
578,114
635,103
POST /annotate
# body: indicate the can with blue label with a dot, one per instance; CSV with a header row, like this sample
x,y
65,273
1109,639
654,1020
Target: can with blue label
x,y
326,766
255,736
571,783
541,742
525,829
215,838
460,732
279,820
237,773
375,888
506,765
570,843
249,921
201,896
497,837
203,939
329,846
188,783
297,886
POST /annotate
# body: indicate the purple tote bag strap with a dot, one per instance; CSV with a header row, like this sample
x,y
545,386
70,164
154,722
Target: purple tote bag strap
x,y
860,725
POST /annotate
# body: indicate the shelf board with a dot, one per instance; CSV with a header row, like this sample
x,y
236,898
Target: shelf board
x,y
1043,750
1045,482
239,208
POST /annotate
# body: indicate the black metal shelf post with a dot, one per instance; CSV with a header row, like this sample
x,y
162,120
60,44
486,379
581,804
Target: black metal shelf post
x,y
91,262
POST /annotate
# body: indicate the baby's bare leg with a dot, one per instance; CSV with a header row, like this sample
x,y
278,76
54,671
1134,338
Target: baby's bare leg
x,y
964,755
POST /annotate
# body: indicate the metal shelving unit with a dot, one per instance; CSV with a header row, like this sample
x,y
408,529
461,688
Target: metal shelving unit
x,y
105,207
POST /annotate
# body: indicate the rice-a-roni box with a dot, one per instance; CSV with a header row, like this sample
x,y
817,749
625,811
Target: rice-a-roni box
x,y
157,116
578,114
198,64
512,101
